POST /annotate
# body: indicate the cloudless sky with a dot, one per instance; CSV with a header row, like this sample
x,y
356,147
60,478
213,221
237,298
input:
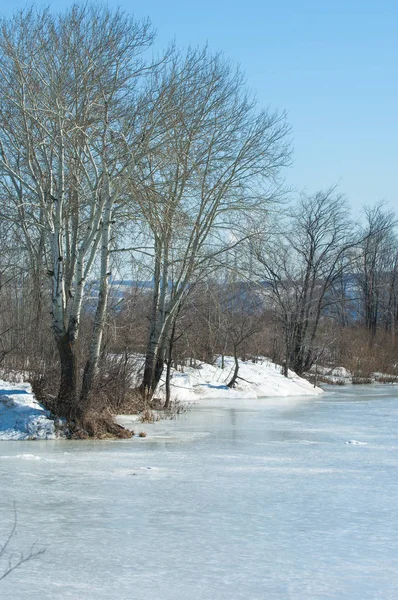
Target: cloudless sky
x,y
332,65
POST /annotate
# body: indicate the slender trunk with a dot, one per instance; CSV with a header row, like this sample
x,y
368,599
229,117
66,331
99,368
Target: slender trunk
x,y
153,339
296,349
158,352
236,370
159,366
316,374
168,370
91,366
309,357
150,356
163,326
168,377
153,369
286,365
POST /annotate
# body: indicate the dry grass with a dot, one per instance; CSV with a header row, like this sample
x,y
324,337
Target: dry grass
x,y
148,416
323,379
98,426
362,380
386,378
363,355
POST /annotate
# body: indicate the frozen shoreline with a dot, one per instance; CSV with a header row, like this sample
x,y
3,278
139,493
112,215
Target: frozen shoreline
x,y
23,418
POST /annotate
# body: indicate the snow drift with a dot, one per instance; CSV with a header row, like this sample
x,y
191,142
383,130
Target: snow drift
x,y
256,380
21,416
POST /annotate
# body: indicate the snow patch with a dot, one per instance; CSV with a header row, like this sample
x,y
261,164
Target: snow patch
x,y
356,443
256,380
336,375
21,416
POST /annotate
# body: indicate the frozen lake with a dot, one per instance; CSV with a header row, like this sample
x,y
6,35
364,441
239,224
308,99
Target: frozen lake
x,y
262,500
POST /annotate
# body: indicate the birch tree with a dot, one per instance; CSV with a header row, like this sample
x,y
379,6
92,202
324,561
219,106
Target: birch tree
x,y
68,133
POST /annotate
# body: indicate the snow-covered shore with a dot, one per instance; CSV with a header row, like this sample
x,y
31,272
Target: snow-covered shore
x,y
255,380
23,418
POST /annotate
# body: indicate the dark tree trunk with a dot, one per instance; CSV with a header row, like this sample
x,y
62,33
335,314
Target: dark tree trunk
x,y
158,372
168,376
286,364
150,356
147,379
67,404
236,370
154,364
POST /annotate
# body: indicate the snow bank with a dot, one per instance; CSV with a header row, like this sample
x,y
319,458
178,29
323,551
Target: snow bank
x,y
256,380
336,375
21,416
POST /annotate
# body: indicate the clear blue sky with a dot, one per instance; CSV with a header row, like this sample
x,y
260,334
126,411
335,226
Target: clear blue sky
x,y
332,65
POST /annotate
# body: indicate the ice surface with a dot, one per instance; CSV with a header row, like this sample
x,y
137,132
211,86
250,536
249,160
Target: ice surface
x,y
263,501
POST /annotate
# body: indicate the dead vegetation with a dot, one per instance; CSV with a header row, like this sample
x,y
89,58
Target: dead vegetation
x,y
111,395
98,426
317,379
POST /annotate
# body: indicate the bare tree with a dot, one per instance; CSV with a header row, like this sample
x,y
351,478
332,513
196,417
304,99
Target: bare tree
x,y
375,259
242,309
218,161
301,265
68,135
391,301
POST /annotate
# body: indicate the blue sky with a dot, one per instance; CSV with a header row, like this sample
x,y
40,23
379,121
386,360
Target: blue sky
x,y
332,65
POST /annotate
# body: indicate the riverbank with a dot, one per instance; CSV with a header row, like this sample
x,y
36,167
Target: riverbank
x,y
23,418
